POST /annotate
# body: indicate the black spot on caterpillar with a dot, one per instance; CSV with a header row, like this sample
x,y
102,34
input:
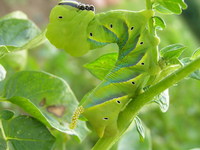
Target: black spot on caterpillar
x,y
81,7
118,102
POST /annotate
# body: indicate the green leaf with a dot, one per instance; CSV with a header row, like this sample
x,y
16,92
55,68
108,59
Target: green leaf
x,y
161,9
6,114
26,133
172,51
163,100
169,6
18,33
101,66
2,73
187,60
196,54
46,97
131,141
180,2
15,14
159,23
140,128
172,6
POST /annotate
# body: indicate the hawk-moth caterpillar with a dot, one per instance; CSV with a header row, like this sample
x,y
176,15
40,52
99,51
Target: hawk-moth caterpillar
x,y
77,29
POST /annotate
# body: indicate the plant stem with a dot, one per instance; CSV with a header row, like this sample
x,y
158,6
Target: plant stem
x,y
132,109
151,26
148,4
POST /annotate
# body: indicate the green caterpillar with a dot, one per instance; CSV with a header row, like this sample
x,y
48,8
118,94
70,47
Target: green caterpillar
x,y
75,28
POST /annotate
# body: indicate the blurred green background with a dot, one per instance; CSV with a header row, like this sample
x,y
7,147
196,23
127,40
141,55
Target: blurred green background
x,y
177,129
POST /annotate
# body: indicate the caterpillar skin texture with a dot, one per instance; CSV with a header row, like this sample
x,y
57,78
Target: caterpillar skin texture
x,y
136,67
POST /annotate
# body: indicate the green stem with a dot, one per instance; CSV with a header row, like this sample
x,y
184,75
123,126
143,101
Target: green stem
x,y
132,109
148,5
151,26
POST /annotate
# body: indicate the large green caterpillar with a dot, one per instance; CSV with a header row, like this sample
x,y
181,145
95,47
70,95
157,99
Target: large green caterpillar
x,y
75,28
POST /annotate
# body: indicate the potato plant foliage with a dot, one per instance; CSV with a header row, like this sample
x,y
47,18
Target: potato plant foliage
x,y
40,111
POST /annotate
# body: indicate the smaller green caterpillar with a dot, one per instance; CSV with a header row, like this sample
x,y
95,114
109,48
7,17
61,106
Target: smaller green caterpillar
x,y
80,30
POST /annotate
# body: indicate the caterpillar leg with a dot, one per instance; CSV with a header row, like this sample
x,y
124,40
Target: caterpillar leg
x,y
75,117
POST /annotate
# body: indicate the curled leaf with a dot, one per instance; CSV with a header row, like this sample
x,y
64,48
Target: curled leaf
x,y
140,128
159,23
163,100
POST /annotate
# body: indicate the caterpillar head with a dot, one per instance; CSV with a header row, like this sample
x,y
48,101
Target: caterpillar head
x,y
67,28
